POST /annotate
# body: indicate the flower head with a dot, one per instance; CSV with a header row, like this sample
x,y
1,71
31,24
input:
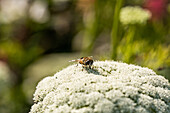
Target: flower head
x,y
108,87
134,15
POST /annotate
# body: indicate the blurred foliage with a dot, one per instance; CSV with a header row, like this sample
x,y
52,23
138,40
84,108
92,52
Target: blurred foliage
x,y
14,50
115,27
18,58
31,29
96,21
143,42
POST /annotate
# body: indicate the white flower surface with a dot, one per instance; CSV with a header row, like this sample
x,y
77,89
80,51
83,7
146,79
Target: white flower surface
x,y
109,87
134,15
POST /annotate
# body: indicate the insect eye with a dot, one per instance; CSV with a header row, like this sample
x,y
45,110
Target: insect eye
x,y
81,57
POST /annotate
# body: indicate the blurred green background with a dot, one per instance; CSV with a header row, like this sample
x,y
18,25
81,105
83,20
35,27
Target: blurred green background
x,y
39,37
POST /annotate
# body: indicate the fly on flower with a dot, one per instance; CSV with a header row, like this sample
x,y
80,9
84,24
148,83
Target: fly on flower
x,y
85,61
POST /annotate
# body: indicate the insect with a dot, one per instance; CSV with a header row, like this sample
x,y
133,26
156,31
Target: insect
x,y
85,61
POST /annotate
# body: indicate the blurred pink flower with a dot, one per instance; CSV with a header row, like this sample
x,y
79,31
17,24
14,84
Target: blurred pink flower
x,y
157,8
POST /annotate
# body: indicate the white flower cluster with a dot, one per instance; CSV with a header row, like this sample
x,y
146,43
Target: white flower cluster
x,y
134,15
110,87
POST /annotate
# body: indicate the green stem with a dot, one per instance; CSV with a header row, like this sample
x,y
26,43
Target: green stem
x,y
130,34
114,33
129,49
